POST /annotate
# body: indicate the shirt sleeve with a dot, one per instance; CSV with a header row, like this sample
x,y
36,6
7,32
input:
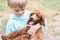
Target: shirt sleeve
x,y
9,28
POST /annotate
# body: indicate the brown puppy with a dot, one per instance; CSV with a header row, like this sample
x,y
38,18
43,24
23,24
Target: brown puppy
x,y
35,18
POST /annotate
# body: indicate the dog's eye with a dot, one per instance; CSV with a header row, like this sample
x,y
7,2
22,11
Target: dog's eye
x,y
41,18
31,14
37,15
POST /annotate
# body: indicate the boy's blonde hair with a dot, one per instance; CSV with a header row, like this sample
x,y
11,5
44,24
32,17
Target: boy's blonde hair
x,y
17,3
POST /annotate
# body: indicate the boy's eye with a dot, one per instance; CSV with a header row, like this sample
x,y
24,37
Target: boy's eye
x,y
22,9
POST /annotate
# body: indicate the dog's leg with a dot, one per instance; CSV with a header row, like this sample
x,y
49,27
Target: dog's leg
x,y
18,32
5,37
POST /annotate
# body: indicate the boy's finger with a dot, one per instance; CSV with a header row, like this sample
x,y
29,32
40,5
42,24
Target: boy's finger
x,y
33,34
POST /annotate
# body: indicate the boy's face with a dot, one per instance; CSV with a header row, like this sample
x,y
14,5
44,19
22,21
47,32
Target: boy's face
x,y
18,11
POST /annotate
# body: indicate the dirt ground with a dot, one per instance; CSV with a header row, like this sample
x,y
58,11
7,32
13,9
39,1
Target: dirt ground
x,y
52,29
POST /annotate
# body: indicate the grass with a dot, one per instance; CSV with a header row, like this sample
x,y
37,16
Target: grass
x,y
42,4
3,7
52,4
56,32
3,25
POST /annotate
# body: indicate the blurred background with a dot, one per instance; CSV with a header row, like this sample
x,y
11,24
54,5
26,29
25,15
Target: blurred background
x,y
51,9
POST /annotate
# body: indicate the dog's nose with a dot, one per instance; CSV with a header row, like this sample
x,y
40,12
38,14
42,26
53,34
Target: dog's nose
x,y
44,24
31,18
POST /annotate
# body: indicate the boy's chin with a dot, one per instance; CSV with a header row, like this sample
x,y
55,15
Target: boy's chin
x,y
18,14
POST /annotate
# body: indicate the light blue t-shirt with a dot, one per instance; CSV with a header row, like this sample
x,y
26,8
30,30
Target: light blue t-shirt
x,y
17,22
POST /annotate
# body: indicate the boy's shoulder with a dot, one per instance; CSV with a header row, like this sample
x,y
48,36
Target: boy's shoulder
x,y
28,11
10,20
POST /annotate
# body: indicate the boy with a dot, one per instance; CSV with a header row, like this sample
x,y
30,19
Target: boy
x,y
18,20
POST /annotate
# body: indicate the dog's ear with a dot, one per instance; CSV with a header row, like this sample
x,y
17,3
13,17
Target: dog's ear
x,y
4,37
42,20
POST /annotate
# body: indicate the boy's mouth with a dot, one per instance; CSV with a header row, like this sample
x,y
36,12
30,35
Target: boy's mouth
x,y
19,14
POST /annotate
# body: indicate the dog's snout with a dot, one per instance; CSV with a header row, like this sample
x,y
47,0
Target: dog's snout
x,y
44,24
31,18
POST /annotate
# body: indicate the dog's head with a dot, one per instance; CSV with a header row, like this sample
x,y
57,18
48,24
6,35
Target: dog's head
x,y
36,17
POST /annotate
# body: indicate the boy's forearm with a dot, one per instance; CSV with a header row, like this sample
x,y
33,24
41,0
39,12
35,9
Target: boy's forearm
x,y
34,28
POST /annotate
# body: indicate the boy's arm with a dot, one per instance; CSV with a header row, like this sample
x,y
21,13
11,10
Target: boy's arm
x,y
9,28
33,29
